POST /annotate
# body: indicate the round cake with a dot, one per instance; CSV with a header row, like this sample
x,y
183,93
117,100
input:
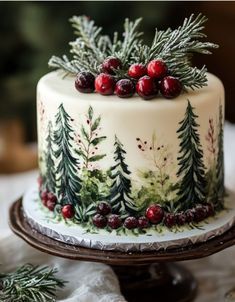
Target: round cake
x,y
130,170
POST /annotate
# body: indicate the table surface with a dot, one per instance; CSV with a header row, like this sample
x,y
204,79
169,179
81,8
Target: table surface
x,y
215,274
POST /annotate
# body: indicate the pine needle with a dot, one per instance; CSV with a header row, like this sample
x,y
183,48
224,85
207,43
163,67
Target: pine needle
x,y
29,284
175,47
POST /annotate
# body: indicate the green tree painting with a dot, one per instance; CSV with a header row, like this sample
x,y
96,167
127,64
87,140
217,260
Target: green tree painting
x,y
119,197
220,158
192,170
68,182
50,163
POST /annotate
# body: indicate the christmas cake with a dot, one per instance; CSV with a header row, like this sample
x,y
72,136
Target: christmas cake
x,y
130,140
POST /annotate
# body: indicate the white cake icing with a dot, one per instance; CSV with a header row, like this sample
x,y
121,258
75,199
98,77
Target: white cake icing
x,y
133,121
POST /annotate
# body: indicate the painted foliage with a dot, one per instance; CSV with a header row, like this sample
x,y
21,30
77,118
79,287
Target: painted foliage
x,y
74,176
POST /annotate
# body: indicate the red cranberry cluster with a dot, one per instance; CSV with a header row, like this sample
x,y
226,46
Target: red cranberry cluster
x,y
49,200
147,81
153,215
104,218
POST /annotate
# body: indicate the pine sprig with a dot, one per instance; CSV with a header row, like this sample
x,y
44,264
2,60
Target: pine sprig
x,y
175,47
29,284
131,40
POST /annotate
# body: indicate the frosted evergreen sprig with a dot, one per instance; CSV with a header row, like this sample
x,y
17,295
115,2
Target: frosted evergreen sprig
x,y
29,284
174,47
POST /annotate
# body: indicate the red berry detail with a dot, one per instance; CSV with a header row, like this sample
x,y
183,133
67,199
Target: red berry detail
x,y
146,87
68,211
114,221
99,221
50,204
104,84
169,220
85,82
137,70
130,222
181,218
44,197
124,88
210,209
51,197
200,213
189,215
170,87
154,213
110,64
103,208
157,69
143,222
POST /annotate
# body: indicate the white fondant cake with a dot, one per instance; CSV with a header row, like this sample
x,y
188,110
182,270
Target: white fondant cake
x,y
130,153
128,159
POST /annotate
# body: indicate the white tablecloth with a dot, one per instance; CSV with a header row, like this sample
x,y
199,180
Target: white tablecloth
x,y
92,282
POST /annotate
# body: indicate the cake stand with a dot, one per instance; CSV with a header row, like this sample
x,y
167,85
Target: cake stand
x,y
144,276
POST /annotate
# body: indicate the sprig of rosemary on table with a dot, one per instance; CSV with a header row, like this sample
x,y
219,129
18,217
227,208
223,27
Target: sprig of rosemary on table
x,y
175,47
30,284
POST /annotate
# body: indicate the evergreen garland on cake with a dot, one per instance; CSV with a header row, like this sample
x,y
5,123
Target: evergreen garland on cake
x,y
68,183
192,169
120,191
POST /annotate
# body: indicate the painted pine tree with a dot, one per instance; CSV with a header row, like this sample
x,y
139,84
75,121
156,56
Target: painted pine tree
x,y
220,157
119,197
68,182
49,160
192,170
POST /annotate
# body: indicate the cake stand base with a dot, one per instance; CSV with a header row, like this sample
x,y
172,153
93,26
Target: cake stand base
x,y
144,276
156,283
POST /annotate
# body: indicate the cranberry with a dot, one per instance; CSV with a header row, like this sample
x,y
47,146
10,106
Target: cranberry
x,y
200,213
85,82
137,70
124,88
210,209
146,87
50,204
181,218
130,222
103,208
51,197
157,69
143,222
169,220
154,213
110,64
114,221
104,84
99,221
44,197
170,87
190,215
68,211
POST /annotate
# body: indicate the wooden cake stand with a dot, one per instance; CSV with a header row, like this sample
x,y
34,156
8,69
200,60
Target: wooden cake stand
x,y
144,276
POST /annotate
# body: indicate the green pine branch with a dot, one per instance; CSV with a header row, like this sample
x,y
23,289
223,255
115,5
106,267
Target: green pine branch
x,y
29,284
175,47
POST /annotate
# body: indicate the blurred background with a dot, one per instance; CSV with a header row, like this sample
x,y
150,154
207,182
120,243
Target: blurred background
x,y
31,32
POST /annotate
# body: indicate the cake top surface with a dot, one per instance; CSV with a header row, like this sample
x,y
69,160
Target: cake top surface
x,y
55,84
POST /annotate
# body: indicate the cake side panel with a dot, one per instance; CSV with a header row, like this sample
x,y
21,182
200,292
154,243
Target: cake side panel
x,y
132,153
